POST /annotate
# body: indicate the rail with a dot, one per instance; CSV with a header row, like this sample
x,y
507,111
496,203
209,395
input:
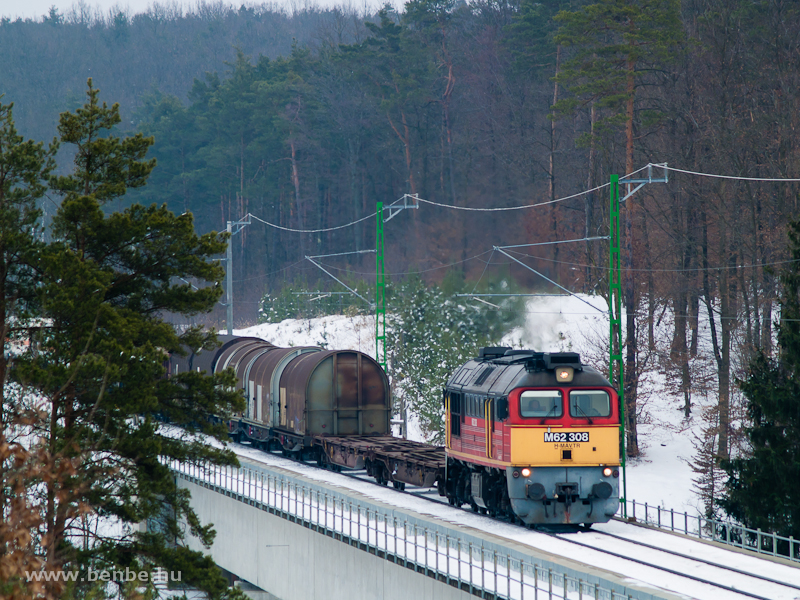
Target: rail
x,y
724,532
461,560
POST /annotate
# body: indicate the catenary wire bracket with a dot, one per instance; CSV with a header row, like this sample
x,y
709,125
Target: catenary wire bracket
x,y
320,267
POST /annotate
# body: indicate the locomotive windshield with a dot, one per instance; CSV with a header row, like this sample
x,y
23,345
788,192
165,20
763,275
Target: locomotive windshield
x,y
540,403
589,403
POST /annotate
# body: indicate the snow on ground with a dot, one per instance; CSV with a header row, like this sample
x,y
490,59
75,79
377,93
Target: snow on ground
x,y
335,332
661,476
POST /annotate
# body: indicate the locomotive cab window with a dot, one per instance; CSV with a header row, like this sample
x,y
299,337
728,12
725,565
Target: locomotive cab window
x,y
589,403
541,404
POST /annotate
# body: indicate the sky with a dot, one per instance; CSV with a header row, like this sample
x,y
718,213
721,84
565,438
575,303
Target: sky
x,y
36,9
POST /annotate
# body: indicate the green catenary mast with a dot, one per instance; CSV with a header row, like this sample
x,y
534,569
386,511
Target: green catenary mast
x,y
380,294
615,374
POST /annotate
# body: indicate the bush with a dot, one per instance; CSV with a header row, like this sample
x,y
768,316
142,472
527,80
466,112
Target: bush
x,y
430,332
298,300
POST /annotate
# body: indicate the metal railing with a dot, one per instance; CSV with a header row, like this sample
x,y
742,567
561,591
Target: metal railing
x,y
715,530
455,558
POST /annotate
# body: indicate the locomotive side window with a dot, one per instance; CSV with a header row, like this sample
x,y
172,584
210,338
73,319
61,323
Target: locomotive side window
x,y
589,403
455,413
541,403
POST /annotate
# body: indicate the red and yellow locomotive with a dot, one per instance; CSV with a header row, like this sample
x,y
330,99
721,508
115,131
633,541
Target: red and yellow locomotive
x,y
534,436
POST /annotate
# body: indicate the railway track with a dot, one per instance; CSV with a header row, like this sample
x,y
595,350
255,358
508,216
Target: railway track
x,y
714,573
730,568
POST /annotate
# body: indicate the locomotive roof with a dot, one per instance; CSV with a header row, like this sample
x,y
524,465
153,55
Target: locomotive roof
x,y
499,370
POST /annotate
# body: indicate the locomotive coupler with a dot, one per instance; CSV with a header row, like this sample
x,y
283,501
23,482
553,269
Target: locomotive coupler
x,y
568,492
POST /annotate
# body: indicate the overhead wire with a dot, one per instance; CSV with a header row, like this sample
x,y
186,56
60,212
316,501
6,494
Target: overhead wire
x,y
717,176
506,208
291,230
523,254
431,202
322,230
262,275
694,269
511,208
458,262
485,266
524,206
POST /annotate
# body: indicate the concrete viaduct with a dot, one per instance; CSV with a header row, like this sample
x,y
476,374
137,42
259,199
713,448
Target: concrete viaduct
x,y
293,538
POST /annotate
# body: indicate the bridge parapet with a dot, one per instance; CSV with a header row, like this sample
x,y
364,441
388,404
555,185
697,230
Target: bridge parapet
x,y
299,539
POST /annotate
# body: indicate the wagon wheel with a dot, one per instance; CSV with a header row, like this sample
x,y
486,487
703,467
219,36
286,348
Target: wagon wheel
x,y
381,475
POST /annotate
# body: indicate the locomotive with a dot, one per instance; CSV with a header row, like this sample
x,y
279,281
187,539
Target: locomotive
x,y
531,436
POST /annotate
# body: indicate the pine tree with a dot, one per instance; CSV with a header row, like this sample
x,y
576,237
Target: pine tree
x,y
763,489
24,168
398,73
615,45
97,360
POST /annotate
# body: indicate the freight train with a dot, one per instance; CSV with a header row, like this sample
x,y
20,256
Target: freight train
x,y
530,436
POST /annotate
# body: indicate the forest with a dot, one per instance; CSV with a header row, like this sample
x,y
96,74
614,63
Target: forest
x,y
306,119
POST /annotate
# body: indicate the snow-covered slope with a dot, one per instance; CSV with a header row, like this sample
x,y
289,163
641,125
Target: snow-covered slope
x,y
336,332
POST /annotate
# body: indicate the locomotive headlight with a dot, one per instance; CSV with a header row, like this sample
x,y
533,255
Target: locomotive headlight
x,y
564,374
526,472
607,472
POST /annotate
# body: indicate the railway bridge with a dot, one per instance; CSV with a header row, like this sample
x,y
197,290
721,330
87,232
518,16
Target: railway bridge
x,y
299,539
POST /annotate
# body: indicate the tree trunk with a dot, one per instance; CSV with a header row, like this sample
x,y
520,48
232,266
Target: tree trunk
x,y
552,178
651,288
631,297
588,199
353,148
720,343
679,351
298,207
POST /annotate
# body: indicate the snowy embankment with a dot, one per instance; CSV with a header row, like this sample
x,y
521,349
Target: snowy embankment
x,y
661,476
